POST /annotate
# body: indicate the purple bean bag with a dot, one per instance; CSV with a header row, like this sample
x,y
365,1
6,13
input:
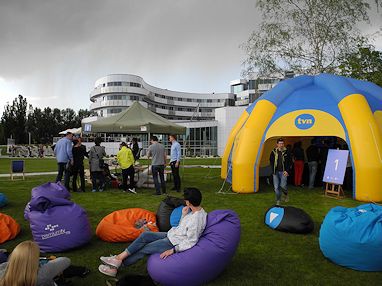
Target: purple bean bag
x,y
58,224
48,190
206,260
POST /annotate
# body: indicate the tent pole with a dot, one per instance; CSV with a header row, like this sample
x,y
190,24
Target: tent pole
x,y
148,161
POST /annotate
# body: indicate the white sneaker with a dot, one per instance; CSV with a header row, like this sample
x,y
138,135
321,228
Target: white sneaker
x,y
107,270
132,190
111,260
277,203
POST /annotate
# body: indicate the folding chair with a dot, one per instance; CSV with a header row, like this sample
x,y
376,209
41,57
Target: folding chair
x,y
17,166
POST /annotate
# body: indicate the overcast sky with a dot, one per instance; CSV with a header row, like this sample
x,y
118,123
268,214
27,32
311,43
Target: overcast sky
x,y
53,51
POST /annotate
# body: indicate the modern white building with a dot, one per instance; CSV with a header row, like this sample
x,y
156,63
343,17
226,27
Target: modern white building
x,y
114,93
208,117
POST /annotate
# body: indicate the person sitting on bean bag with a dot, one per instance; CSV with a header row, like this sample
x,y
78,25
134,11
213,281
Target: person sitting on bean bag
x,y
24,267
180,238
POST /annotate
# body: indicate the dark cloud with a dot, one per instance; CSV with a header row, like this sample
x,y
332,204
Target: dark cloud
x,y
52,51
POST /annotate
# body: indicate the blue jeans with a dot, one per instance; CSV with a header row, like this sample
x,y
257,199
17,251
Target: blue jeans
x,y
147,243
158,170
63,171
280,184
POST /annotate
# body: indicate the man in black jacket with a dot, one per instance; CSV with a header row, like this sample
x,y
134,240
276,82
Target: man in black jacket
x,y
79,153
280,161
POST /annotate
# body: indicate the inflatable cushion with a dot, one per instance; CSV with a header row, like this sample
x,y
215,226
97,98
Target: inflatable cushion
x,y
3,200
176,215
58,224
9,228
164,212
352,237
206,260
125,225
289,219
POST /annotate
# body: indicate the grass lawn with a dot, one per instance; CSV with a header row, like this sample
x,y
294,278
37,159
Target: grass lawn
x,y
50,164
264,256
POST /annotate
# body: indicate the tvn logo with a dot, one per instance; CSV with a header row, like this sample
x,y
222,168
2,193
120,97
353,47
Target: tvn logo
x,y
304,121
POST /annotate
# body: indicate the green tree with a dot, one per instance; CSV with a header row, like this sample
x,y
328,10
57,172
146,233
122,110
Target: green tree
x,y
365,64
83,113
14,120
307,36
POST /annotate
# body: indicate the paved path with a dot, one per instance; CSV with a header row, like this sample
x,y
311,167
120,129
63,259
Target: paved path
x,y
55,172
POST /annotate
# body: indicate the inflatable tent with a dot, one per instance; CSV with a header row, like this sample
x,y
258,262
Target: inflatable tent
x,y
307,106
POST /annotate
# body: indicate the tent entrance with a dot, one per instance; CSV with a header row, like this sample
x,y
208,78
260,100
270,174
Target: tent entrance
x,y
323,144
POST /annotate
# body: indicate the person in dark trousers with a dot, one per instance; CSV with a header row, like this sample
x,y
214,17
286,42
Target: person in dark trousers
x,y
323,151
125,159
175,156
64,157
79,153
298,162
280,161
135,149
96,154
313,155
158,162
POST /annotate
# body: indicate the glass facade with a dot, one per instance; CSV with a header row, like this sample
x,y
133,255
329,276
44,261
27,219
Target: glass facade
x,y
201,141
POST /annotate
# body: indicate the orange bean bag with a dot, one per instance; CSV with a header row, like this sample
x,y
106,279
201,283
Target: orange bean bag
x,y
9,228
125,225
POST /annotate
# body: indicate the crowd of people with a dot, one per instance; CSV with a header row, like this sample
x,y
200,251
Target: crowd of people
x,y
289,165
70,154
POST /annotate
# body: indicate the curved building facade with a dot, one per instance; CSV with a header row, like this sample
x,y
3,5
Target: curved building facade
x,y
114,93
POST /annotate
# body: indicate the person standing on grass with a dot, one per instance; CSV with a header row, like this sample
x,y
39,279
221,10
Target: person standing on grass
x,y
79,153
175,156
64,157
313,156
96,154
158,163
298,162
135,149
126,160
177,239
280,161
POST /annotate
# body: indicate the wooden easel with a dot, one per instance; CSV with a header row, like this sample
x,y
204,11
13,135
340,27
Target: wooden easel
x,y
334,191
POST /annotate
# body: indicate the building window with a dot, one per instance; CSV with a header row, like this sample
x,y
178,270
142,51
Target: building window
x,y
114,110
189,99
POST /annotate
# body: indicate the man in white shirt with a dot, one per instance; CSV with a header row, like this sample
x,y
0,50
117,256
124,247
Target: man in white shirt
x,y
177,239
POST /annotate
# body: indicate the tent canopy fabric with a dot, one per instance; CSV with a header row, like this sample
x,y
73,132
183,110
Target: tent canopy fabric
x,y
135,119
72,130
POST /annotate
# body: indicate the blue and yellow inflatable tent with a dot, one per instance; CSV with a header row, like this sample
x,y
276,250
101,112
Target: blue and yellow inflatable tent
x,y
307,106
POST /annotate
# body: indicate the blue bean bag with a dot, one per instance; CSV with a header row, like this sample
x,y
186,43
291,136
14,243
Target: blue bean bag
x,y
176,216
3,200
206,260
352,237
58,224
289,219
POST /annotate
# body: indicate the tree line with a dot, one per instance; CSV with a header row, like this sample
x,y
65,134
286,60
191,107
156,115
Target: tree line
x,y
20,118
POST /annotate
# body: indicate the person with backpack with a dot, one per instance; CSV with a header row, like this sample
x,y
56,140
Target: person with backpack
x,y
96,164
